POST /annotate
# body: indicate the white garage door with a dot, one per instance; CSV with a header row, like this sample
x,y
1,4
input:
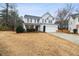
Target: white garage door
x,y
51,28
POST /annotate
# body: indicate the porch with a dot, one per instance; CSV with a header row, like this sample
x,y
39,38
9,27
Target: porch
x,y
32,27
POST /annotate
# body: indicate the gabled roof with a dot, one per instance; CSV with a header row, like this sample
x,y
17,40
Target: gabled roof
x,y
37,17
73,15
47,13
30,16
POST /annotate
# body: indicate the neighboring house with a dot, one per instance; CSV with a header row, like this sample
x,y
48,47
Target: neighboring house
x,y
62,24
43,24
73,23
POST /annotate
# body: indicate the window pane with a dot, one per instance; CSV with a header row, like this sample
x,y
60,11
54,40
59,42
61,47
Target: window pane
x,y
38,20
35,20
45,21
42,20
49,21
27,20
31,20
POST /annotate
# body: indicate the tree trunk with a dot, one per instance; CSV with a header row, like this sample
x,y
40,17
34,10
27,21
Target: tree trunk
x,y
7,5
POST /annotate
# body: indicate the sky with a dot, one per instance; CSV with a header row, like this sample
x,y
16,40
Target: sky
x,y
38,9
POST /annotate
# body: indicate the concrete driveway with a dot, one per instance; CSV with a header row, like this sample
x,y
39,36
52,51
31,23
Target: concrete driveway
x,y
70,37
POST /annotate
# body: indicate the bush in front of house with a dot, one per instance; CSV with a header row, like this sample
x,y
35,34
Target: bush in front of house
x,y
20,29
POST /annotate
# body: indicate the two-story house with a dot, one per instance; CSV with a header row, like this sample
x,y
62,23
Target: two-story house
x,y
73,23
43,24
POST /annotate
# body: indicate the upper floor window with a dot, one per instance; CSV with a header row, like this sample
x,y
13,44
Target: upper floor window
x,y
42,20
45,21
50,21
31,20
38,20
52,18
35,20
27,20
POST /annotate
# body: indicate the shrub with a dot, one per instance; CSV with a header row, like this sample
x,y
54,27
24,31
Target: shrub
x,y
4,28
20,29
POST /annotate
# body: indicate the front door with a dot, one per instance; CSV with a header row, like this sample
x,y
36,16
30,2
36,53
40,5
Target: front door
x,y
36,28
44,27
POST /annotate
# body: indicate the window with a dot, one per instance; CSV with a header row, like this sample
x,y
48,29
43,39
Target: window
x,y
27,20
38,20
35,20
50,21
52,18
31,20
45,21
42,20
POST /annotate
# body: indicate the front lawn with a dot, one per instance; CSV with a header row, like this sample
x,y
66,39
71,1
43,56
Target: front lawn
x,y
12,43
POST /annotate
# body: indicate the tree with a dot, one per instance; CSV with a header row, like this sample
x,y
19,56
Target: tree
x,y
63,15
10,15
